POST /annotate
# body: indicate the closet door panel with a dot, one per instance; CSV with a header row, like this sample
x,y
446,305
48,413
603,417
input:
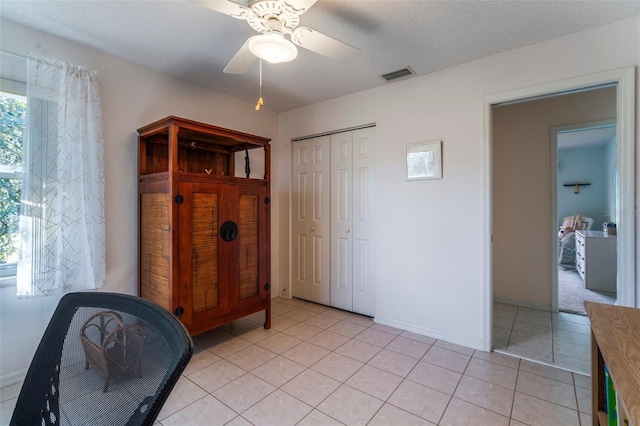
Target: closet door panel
x,y
301,227
363,221
320,290
311,220
341,220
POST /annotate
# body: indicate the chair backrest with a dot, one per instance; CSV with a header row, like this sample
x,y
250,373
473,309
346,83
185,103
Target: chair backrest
x,y
577,221
104,359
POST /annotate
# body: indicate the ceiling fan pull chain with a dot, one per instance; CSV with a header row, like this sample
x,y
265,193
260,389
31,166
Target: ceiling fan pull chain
x,y
260,102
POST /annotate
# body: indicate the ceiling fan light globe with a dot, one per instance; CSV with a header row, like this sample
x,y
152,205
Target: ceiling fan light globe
x,y
272,48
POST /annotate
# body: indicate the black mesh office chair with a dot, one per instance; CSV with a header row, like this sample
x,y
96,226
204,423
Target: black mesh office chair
x,y
104,359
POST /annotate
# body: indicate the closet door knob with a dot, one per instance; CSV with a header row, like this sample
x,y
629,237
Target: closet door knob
x,y
313,228
348,229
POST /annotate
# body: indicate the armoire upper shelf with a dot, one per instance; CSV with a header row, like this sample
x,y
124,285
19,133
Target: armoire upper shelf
x,y
177,145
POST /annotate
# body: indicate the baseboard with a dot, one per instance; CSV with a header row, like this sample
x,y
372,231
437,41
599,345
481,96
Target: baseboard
x,y
523,303
13,378
451,338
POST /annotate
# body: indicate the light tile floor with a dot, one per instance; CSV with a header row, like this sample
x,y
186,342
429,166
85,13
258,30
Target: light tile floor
x,y
322,366
558,339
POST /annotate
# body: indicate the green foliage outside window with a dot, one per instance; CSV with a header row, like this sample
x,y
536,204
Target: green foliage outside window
x,y
12,123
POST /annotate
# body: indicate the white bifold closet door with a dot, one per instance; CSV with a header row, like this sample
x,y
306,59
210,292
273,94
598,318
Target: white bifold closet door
x,y
333,223
311,220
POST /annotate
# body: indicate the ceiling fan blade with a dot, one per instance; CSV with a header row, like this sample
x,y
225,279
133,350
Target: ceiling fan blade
x,y
324,45
227,7
241,61
301,6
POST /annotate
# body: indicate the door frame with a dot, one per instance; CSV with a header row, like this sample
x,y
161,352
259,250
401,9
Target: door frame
x,y
624,79
555,300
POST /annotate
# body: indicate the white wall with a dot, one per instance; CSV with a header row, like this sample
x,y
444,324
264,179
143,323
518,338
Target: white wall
x,y
431,259
132,96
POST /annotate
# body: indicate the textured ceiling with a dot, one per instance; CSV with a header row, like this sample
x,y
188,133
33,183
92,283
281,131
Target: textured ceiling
x,y
186,40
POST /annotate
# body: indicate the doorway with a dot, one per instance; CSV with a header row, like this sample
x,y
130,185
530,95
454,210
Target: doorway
x,y
586,155
623,82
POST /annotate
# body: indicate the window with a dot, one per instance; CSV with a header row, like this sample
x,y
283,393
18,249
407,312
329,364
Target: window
x,y
51,177
12,124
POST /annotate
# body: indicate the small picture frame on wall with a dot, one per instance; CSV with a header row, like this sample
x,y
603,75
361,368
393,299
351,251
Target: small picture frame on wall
x,y
424,160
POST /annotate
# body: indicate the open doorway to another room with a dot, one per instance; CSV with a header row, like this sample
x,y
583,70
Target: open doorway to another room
x,y
525,217
586,206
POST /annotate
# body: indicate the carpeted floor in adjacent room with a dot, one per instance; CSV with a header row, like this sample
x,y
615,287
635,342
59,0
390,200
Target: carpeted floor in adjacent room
x,y
572,294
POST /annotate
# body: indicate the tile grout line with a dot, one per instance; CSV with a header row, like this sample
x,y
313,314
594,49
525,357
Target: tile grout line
x,y
244,328
344,383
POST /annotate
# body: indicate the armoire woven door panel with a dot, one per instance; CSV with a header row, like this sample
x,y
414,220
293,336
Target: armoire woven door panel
x,y
154,246
248,220
205,285
203,266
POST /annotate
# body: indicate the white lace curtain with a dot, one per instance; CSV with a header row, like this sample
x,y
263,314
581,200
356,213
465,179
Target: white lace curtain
x,y
62,208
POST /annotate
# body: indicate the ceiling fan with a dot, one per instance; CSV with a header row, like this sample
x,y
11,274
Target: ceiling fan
x,y
275,19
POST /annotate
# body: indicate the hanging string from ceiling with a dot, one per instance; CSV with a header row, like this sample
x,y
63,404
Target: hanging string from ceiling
x,y
260,101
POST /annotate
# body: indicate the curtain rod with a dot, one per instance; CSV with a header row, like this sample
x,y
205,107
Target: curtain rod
x,y
333,132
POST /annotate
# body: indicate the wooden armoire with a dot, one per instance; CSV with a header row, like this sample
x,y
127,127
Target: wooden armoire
x,y
204,251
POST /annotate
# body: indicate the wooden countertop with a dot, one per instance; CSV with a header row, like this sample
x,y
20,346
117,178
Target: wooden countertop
x,y
617,331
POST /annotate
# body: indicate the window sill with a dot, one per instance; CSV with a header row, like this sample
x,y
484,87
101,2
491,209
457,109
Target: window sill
x,y
8,281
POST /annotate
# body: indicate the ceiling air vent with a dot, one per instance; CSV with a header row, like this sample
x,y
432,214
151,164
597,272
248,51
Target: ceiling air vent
x,y
394,75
